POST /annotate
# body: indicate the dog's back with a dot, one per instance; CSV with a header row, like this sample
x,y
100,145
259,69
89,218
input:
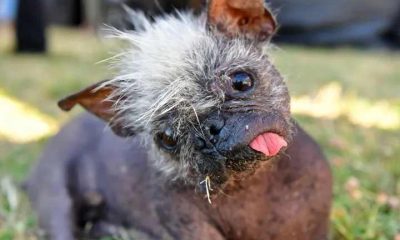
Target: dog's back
x,y
87,176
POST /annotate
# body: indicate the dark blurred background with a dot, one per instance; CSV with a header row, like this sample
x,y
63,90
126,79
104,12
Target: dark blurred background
x,y
366,23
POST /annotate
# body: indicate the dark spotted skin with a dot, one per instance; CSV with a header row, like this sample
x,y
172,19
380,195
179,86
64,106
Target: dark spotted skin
x,y
88,176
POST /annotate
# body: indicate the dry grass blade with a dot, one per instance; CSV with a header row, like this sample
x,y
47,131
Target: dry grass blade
x,y
207,183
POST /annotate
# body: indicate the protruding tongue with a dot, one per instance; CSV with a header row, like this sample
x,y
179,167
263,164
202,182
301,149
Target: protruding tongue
x,y
268,143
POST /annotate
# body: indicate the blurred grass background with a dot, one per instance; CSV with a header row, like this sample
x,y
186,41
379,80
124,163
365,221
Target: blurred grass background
x,y
348,99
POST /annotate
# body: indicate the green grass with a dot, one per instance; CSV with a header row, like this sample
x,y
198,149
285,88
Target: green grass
x,y
365,160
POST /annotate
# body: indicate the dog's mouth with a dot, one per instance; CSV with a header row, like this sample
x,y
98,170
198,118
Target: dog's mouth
x,y
265,145
245,143
268,143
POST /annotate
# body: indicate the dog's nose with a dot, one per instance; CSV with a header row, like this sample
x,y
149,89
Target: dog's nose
x,y
210,133
213,127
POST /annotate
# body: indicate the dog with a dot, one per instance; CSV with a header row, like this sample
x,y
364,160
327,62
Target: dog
x,y
202,145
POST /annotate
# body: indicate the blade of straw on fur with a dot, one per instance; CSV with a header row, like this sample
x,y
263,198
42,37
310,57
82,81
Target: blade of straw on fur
x,y
207,182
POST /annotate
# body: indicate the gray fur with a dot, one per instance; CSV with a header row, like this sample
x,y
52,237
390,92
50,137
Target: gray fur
x,y
176,67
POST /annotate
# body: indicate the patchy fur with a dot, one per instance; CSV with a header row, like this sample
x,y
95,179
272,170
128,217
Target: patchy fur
x,y
175,68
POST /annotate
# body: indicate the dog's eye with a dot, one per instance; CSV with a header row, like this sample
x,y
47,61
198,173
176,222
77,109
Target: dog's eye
x,y
167,139
241,81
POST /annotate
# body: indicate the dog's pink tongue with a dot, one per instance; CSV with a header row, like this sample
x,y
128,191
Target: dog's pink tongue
x,y
268,143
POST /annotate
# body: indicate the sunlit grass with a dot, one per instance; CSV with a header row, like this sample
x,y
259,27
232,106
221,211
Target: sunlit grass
x,y
330,103
349,100
20,123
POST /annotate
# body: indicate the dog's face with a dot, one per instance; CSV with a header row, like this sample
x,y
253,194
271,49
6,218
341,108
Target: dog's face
x,y
203,94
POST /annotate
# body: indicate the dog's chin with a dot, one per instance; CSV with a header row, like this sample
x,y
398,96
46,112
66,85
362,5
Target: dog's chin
x,y
234,175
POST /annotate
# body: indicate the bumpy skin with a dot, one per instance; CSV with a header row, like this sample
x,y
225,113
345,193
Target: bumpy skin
x,y
89,175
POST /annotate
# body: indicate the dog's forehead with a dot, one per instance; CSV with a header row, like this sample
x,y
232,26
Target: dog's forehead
x,y
169,63
173,46
158,48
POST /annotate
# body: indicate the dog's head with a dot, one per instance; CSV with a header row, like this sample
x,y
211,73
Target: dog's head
x,y
200,90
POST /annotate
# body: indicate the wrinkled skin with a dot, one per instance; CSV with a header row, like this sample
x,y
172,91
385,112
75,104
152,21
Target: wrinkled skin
x,y
89,175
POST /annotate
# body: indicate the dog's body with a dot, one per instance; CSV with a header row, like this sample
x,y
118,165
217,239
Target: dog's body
x,y
288,198
204,113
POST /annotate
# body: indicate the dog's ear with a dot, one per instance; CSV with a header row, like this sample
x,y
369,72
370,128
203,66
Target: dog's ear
x,y
246,18
98,99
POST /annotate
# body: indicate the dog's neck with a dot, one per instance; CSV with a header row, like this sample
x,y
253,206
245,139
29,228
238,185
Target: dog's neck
x,y
234,190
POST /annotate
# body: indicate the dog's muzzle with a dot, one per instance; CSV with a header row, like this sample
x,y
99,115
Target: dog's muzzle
x,y
231,134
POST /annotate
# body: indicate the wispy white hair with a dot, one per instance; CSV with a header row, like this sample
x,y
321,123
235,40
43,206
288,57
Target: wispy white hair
x,y
152,71
168,67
